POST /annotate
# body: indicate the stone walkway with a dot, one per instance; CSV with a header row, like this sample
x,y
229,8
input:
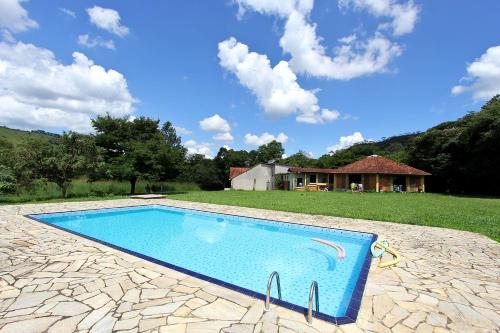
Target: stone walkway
x,y
53,281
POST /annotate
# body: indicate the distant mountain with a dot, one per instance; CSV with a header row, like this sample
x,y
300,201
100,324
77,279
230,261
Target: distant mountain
x,y
15,136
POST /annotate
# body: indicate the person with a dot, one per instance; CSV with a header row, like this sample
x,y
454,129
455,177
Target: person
x,y
353,187
360,188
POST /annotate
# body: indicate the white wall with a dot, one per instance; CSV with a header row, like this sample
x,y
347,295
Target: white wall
x,y
259,178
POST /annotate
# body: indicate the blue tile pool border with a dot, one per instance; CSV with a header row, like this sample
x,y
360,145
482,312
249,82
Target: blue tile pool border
x,y
352,308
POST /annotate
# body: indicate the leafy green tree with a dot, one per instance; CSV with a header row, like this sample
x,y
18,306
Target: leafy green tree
x,y
463,155
7,180
130,148
227,158
202,171
300,159
71,156
173,156
7,176
271,151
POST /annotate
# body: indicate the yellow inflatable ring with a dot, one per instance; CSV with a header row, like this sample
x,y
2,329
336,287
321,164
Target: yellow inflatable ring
x,y
397,257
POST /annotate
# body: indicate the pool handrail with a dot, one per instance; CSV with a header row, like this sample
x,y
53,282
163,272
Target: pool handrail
x,y
268,290
313,292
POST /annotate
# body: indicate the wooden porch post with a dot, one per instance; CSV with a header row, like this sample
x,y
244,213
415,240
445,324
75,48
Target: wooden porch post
x,y
407,184
334,175
377,184
422,183
305,182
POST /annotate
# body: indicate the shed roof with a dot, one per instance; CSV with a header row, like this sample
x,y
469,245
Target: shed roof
x,y
235,171
377,164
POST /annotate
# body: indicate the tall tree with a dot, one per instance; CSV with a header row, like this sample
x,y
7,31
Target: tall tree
x,y
227,158
130,147
202,171
300,159
60,162
173,156
271,151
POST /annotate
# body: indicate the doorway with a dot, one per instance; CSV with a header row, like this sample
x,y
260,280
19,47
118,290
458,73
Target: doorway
x,y
399,184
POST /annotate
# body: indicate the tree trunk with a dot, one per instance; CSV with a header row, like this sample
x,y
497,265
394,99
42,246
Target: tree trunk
x,y
64,190
133,180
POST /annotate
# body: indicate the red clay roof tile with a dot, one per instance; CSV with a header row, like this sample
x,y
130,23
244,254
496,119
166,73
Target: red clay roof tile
x,y
381,165
233,172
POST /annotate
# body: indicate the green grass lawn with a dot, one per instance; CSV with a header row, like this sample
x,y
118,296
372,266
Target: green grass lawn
x,y
480,215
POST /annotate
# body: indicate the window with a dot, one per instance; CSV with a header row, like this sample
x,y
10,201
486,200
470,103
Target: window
x,y
300,182
323,178
312,178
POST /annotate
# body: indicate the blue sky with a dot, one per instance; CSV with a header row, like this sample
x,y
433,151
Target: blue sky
x,y
405,66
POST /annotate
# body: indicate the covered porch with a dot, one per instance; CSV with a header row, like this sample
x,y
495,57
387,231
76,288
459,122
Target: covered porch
x,y
310,179
380,182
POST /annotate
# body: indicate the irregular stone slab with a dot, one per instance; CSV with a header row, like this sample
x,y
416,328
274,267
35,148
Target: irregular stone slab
x,y
67,325
97,301
195,303
26,300
127,323
148,324
180,328
104,325
207,326
9,293
36,325
69,309
92,318
161,309
172,320
153,293
239,328
254,313
231,295
115,291
221,309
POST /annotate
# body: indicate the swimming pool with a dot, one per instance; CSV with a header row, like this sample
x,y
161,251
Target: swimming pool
x,y
236,252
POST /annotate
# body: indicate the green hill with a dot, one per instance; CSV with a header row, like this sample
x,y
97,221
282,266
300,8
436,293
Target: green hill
x,y
15,136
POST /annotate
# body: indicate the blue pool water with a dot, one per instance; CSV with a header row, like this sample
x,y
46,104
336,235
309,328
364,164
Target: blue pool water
x,y
236,250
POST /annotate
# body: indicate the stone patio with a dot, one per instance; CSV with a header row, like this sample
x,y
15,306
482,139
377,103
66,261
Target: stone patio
x,y
53,281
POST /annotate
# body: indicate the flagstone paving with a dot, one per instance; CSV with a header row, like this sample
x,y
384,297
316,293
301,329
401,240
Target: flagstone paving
x,y
52,281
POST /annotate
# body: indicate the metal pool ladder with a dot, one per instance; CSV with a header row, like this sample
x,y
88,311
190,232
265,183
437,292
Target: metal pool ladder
x,y
269,285
313,292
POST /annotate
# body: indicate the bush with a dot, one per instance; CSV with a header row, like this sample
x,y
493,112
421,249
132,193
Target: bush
x,y
7,180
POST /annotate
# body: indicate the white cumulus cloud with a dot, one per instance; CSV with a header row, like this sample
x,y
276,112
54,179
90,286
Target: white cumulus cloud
x,y
87,41
107,19
182,130
264,138
68,12
404,16
215,123
346,142
218,125
14,17
276,88
353,57
483,75
194,147
37,91
282,8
